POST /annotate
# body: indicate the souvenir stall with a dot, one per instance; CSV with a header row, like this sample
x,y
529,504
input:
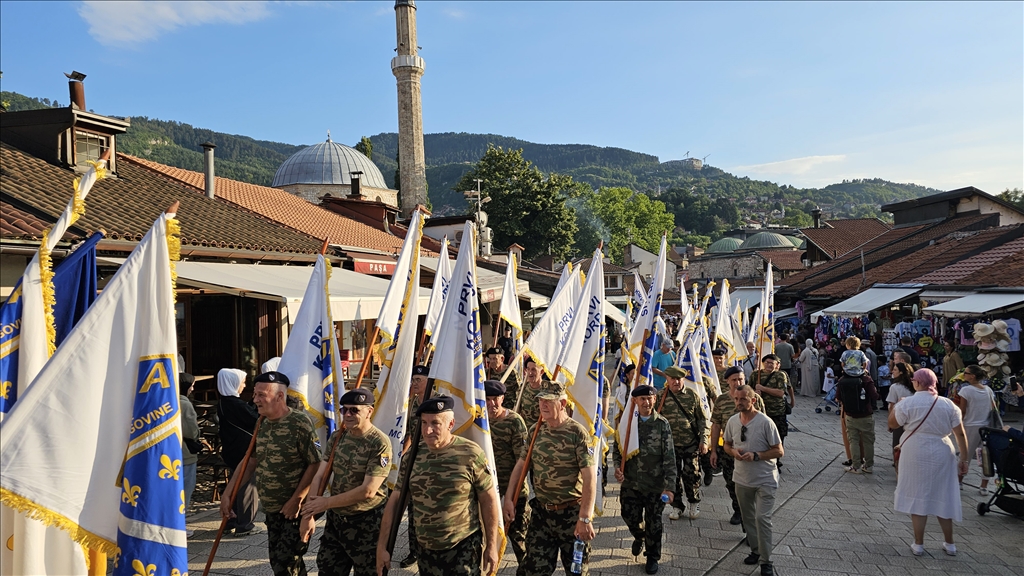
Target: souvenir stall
x,y
875,315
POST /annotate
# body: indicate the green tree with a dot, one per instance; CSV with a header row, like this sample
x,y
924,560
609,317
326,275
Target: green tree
x,y
525,208
695,239
627,216
1014,196
797,218
366,147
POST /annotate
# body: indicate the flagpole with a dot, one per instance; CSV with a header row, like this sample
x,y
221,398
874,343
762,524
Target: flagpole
x,y
636,374
234,492
369,355
529,449
497,330
422,347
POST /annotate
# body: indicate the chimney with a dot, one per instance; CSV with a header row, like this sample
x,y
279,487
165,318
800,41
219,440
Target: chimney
x,y
76,89
355,193
816,214
208,168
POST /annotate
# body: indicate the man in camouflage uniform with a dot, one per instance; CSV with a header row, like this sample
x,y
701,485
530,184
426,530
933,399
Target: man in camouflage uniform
x,y
417,392
508,437
494,361
681,407
453,496
564,473
648,476
773,386
529,407
718,354
725,407
285,460
362,461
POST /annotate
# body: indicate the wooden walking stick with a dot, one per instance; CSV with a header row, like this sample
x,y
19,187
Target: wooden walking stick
x,y
240,471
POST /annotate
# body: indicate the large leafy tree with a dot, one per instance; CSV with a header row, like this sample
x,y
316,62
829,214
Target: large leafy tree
x,y
526,207
623,216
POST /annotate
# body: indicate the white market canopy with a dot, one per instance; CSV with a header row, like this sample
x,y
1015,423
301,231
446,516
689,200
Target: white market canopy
x,y
746,297
978,304
871,299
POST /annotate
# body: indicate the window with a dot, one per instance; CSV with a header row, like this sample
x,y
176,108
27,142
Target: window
x,y
611,281
89,147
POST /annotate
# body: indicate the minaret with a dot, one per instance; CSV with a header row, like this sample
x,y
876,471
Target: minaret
x,y
408,68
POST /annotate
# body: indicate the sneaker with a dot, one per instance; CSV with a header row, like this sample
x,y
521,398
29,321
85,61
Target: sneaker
x,y
949,548
767,569
694,511
675,514
852,470
736,519
652,566
867,470
752,559
409,561
917,549
708,477
983,491
239,533
846,463
638,546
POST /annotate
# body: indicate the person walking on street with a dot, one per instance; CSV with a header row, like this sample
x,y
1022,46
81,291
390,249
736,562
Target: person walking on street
x,y
417,392
858,397
648,479
453,499
285,460
362,462
564,474
663,358
754,442
725,409
237,419
773,385
496,365
508,437
680,406
529,406
786,352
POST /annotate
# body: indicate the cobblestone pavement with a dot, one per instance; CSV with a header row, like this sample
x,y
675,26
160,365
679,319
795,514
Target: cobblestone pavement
x,y
826,522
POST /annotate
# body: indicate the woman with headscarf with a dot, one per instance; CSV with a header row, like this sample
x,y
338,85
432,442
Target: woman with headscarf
x,y
237,420
928,484
809,383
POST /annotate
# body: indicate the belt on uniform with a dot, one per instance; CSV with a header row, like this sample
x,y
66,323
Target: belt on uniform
x,y
560,506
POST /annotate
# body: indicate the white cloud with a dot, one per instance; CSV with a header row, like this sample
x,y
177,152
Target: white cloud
x,y
791,166
128,23
454,13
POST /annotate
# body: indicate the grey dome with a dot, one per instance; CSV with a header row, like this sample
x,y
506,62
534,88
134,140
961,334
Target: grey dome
x,y
724,245
763,240
796,242
328,163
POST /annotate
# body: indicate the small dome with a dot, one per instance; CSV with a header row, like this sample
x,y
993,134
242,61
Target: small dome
x,y
794,241
765,240
328,163
724,246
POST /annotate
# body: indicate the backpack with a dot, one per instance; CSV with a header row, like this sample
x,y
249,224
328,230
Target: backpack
x,y
849,389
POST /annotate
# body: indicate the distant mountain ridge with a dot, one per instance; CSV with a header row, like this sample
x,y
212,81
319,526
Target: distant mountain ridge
x,y
450,155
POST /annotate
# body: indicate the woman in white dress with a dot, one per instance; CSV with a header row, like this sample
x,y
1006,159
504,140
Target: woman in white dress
x,y
976,402
927,484
809,383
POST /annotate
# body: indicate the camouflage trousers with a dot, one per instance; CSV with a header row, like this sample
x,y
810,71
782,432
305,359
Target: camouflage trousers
x,y
728,464
350,543
285,545
516,531
463,559
551,534
642,507
688,477
414,545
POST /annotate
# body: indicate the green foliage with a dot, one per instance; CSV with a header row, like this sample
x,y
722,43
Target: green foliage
x,y
797,218
525,207
624,216
365,146
700,214
1015,197
14,102
694,239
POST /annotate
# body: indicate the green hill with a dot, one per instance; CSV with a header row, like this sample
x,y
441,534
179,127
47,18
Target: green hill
x,y
720,199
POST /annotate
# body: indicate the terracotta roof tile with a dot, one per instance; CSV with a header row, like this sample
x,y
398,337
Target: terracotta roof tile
x,y
287,209
609,268
841,236
988,263
17,221
785,260
126,205
1007,272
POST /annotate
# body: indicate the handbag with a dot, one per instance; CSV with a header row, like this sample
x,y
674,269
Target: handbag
x,y
896,449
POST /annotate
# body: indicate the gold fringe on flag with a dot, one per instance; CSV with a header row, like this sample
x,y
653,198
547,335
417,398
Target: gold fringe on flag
x,y
50,518
174,251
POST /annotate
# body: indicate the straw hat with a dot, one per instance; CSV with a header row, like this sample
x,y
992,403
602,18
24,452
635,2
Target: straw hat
x,y
1000,326
1003,345
986,345
982,330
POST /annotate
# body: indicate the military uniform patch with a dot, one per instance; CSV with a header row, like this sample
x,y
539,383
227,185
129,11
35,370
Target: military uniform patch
x,y
384,461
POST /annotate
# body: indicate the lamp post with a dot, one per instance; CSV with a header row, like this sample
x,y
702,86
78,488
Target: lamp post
x,y
480,224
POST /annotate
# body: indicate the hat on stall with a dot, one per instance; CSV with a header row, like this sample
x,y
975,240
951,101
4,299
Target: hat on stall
x,y
494,388
436,405
981,330
643,390
551,391
273,376
357,397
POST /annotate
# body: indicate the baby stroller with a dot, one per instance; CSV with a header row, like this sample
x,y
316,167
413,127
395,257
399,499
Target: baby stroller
x,y
1003,457
829,402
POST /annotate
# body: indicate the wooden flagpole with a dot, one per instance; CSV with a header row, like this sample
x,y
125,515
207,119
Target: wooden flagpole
x,y
240,471
636,374
529,449
369,355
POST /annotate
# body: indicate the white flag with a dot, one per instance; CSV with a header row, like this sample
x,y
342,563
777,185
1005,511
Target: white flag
x,y
563,279
391,307
309,356
726,332
438,293
766,325
547,338
94,445
693,373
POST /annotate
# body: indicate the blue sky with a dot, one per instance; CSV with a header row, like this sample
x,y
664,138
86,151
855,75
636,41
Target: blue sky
x,y
797,93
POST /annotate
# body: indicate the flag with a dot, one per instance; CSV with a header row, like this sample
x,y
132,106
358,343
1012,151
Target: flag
x,y
461,375
101,459
545,343
707,362
766,326
391,307
582,360
310,355
639,292
509,309
654,304
391,410
726,331
438,293
690,364
563,279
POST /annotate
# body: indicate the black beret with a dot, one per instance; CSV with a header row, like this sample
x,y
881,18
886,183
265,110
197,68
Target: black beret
x,y
494,388
770,357
436,405
275,377
643,390
357,397
420,370
628,367
718,352
495,350
732,370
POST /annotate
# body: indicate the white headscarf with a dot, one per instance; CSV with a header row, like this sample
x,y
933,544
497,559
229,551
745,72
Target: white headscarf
x,y
270,365
810,346
230,381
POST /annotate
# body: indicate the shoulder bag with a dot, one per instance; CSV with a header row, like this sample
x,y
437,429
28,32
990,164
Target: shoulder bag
x,y
896,449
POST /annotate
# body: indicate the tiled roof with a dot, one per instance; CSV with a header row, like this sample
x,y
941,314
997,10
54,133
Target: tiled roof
x,y
785,260
844,235
981,265
18,221
287,209
1007,272
885,257
126,205
609,268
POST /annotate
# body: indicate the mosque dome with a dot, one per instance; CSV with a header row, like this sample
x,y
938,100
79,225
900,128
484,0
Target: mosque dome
x,y
724,246
328,163
796,242
764,241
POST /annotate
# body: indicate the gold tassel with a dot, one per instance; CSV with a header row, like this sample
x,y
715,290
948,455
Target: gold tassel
x,y
174,251
46,278
50,518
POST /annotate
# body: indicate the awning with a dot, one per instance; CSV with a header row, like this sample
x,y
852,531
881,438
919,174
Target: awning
x,y
534,299
978,304
870,300
614,313
746,297
490,284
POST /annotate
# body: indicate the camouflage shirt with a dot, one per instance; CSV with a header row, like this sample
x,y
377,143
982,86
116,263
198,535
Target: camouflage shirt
x,y
558,456
354,459
529,406
773,405
412,421
511,386
284,449
444,487
682,411
725,407
653,470
508,437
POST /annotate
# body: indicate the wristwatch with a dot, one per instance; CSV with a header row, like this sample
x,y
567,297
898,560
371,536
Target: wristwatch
x,y
586,520
756,457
